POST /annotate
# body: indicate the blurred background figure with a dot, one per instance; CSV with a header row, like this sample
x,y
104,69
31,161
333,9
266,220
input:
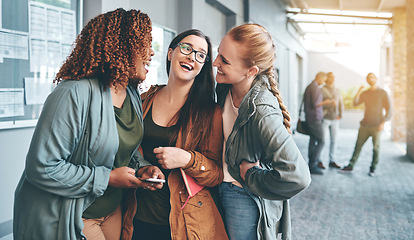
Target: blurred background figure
x,y
376,100
314,103
332,113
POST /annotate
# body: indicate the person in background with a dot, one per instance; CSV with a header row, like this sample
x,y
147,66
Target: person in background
x,y
376,100
84,152
313,105
332,113
263,167
183,130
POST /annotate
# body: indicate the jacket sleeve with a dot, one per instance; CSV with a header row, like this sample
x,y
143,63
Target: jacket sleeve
x,y
138,160
49,165
284,172
206,165
358,99
313,96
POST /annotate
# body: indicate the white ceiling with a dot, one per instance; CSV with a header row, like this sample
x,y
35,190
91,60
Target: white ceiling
x,y
348,5
331,22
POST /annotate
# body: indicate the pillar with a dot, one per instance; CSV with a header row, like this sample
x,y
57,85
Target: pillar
x,y
410,80
399,89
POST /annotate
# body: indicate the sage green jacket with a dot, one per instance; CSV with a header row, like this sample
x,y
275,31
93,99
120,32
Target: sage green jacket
x,y
68,162
259,135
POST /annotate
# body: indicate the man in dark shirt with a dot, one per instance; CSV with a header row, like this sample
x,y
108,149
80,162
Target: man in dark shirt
x,y
376,100
314,115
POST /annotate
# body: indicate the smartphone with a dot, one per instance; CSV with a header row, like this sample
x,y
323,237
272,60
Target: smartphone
x,y
154,180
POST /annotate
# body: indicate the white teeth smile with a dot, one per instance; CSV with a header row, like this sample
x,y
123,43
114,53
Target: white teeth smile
x,y
146,65
187,66
219,72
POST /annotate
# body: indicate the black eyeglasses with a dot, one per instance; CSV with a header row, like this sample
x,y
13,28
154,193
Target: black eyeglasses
x,y
186,49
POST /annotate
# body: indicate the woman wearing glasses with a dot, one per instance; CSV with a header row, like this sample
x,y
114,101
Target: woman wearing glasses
x,y
263,166
182,129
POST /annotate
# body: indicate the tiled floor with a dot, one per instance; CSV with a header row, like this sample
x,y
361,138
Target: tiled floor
x,y
354,205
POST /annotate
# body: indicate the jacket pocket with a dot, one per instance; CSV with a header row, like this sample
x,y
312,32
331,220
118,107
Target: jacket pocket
x,y
199,215
273,211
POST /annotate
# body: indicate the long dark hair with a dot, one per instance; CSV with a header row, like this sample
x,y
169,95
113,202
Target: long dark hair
x,y
199,105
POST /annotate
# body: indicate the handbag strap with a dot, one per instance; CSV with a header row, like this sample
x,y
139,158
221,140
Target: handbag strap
x,y
301,105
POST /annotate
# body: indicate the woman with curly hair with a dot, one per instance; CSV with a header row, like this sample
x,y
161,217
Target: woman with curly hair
x,y
80,169
183,132
263,167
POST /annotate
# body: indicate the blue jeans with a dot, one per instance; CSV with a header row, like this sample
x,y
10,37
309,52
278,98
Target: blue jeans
x,y
241,214
316,142
331,128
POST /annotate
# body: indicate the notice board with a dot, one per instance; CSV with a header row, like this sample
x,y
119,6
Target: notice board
x,y
36,36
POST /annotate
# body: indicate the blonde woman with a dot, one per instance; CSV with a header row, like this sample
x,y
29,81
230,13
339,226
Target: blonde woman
x,y
263,167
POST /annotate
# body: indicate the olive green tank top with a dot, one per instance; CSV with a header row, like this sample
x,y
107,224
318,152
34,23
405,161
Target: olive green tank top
x,y
130,134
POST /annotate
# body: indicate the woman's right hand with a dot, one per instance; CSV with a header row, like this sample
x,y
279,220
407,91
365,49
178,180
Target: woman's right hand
x,y
244,166
124,177
151,172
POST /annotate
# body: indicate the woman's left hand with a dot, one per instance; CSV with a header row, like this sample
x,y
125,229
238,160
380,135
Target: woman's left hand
x,y
244,166
172,157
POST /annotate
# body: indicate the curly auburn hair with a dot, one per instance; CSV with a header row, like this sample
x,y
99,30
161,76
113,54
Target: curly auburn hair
x,y
106,47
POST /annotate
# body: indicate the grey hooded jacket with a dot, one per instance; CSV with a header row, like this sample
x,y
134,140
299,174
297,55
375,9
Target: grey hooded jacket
x,y
69,162
259,135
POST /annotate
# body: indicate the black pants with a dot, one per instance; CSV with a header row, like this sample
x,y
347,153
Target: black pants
x,y
316,142
148,231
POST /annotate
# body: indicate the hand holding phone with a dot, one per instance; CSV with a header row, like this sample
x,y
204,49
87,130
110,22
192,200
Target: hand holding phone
x,y
151,177
154,180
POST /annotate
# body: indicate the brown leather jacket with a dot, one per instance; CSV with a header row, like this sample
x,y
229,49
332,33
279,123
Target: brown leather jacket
x,y
200,218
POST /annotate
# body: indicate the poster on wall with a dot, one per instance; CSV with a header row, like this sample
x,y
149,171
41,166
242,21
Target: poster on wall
x,y
11,102
13,44
52,31
37,89
36,37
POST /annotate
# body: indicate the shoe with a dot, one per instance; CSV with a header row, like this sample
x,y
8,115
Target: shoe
x,y
320,165
347,169
371,172
316,170
334,165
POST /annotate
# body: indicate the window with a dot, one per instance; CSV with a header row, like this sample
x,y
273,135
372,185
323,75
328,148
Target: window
x,y
157,72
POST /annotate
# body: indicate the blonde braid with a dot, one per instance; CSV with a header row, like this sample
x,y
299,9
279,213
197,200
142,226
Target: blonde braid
x,y
273,88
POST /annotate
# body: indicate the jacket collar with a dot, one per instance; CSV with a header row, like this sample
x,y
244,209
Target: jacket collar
x,y
148,97
248,105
